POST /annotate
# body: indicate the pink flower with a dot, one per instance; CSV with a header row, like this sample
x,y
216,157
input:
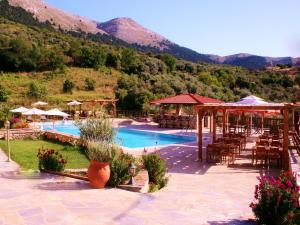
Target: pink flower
x,y
289,184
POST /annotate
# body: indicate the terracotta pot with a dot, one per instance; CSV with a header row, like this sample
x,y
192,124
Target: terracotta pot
x,y
98,173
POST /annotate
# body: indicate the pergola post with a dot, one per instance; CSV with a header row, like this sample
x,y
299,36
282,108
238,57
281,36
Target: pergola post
x,y
224,122
293,120
115,109
200,115
286,139
178,109
262,122
210,122
214,125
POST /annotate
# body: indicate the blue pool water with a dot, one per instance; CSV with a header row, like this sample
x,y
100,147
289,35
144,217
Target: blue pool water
x,y
126,137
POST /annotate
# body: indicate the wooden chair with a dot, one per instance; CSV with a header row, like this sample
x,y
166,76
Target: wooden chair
x,y
227,153
264,142
260,153
163,123
169,123
274,154
212,153
276,143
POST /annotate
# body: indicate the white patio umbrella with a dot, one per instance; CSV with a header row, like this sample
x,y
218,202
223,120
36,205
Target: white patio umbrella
x,y
34,112
39,103
74,103
56,112
253,100
19,110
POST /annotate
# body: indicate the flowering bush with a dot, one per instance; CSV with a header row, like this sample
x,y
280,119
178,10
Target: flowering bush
x,y
276,199
50,159
17,123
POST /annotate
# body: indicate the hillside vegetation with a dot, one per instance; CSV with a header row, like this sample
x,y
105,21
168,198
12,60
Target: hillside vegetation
x,y
38,62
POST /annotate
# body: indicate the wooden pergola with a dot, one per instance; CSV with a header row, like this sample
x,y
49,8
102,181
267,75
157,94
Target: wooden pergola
x,y
101,103
286,108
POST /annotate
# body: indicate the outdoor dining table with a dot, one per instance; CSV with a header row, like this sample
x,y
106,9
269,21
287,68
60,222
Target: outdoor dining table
x,y
239,128
267,148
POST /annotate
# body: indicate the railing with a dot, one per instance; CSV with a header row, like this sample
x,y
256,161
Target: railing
x,y
132,114
296,142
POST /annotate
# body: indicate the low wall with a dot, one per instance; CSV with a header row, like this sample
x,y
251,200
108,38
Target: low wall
x,y
16,134
63,138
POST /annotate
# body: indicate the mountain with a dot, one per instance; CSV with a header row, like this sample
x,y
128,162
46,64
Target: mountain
x,y
58,18
130,31
139,37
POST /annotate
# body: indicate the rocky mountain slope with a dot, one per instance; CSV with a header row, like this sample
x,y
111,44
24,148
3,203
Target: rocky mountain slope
x,y
130,31
58,18
133,33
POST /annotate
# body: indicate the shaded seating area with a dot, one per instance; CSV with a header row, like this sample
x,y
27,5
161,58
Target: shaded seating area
x,y
86,108
180,119
270,147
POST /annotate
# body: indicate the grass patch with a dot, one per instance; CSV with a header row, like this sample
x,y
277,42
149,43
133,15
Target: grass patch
x,y
24,153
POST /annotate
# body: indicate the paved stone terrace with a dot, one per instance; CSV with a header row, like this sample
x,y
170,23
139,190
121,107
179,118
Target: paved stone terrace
x,y
197,193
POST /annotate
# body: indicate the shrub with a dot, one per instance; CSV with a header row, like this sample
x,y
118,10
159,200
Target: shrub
x,y
50,159
102,151
119,170
90,84
36,91
276,200
68,86
99,129
3,94
157,169
170,61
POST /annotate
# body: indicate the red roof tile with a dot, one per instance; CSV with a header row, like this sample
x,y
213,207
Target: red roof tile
x,y
186,99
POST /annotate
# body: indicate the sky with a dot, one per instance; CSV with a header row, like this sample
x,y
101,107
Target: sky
x,y
222,27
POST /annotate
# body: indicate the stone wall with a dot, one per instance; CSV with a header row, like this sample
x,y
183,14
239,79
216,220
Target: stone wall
x,y
17,134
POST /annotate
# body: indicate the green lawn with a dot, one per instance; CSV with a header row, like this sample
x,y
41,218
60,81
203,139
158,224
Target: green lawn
x,y
24,153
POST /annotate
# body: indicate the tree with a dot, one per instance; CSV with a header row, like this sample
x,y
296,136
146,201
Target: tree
x,y
129,61
170,61
113,60
90,84
297,79
36,91
3,94
68,86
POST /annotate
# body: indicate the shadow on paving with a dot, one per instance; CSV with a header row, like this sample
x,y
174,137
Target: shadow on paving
x,y
233,222
124,215
58,186
23,175
183,158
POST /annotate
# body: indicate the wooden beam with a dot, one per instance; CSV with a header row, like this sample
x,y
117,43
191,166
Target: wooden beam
x,y
224,122
200,145
210,122
214,126
293,120
115,109
246,107
286,139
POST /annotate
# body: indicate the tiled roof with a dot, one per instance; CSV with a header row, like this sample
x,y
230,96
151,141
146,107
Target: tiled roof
x,y
186,99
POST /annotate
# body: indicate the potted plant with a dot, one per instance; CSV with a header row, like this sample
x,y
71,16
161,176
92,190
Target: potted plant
x,y
99,136
100,154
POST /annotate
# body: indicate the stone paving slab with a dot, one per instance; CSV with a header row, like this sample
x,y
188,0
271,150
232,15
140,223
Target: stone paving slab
x,y
197,193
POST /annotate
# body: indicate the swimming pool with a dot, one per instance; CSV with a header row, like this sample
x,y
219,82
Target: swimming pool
x,y
125,137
